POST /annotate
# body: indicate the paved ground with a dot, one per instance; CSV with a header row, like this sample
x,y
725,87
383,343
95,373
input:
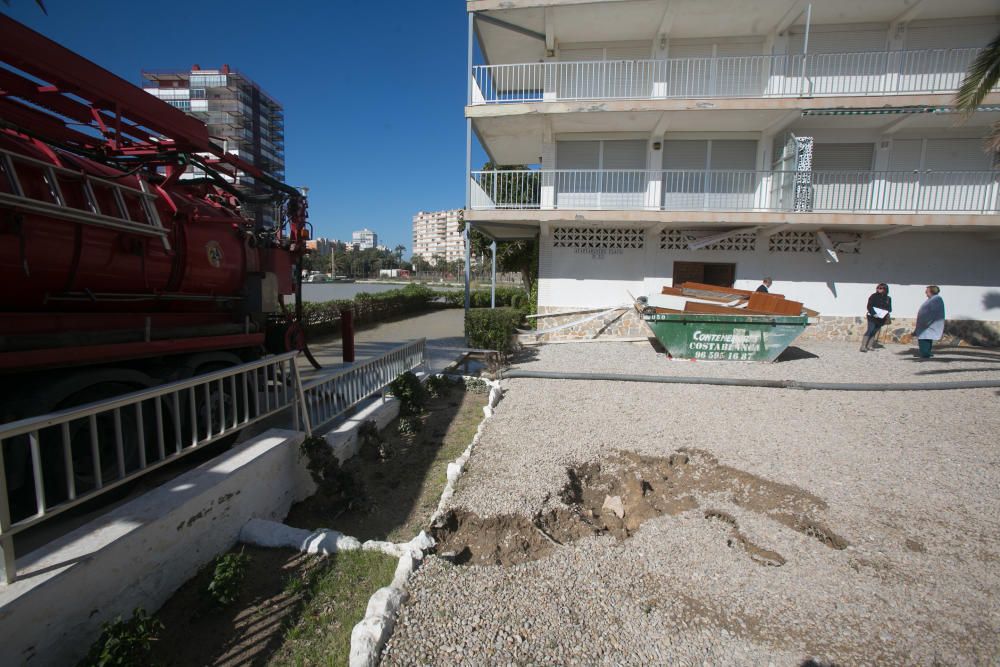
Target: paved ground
x,y
441,328
850,528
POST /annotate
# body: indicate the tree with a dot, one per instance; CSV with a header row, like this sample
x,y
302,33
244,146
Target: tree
x,y
982,77
512,256
399,250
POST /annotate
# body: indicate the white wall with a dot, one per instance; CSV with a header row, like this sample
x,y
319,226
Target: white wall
x,y
140,553
963,264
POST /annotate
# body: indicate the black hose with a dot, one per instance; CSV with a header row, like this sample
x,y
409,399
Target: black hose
x,y
771,384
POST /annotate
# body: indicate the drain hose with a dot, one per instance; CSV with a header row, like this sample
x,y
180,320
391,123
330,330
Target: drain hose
x,y
772,384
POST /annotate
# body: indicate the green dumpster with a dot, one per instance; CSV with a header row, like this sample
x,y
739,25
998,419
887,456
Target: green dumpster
x,y
725,337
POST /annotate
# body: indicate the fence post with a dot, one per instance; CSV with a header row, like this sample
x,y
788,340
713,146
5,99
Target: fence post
x,y
300,400
8,565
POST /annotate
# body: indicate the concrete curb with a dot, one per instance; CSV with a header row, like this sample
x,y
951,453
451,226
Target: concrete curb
x,y
369,636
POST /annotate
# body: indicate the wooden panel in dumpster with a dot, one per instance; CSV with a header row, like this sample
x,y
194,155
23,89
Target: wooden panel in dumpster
x,y
711,323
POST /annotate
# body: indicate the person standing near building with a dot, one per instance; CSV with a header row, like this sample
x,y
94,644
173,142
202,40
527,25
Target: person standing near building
x,y
930,321
764,285
879,307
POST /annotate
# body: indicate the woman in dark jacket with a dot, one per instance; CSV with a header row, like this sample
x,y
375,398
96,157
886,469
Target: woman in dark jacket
x,y
879,307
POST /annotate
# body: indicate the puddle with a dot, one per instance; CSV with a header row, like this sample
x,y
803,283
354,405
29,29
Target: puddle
x,y
617,495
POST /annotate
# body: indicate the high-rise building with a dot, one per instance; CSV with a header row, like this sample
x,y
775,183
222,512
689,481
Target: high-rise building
x,y
243,119
667,141
438,234
364,239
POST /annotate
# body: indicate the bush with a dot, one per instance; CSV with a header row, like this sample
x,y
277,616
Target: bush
x,y
324,317
513,297
125,642
476,386
492,328
438,385
409,425
230,569
410,392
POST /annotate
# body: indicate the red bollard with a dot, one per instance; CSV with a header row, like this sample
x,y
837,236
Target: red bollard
x,y
347,334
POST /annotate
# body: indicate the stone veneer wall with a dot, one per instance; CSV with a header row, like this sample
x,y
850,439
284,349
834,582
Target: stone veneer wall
x,y
900,330
628,324
619,324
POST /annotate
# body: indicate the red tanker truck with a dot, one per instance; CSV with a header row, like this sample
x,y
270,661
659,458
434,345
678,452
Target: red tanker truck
x,y
117,270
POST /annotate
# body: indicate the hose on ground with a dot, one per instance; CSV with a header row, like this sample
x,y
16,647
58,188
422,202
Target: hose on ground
x,y
746,382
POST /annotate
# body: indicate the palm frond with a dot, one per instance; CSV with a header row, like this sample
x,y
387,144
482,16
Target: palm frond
x,y
982,77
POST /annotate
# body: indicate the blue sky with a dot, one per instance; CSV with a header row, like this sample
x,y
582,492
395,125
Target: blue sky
x,y
373,91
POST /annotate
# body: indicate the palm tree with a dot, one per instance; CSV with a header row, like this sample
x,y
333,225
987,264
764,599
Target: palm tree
x,y
982,77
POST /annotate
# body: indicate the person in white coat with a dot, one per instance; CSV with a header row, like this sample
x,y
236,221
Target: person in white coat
x,y
930,321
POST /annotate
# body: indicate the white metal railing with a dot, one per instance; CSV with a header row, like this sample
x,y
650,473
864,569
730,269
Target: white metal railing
x,y
79,453
858,73
329,397
741,190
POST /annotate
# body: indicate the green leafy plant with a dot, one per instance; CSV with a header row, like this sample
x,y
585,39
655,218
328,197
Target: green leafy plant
x,y
410,425
477,386
372,445
125,642
439,385
230,569
492,328
410,392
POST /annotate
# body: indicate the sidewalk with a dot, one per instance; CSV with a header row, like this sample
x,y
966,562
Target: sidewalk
x,y
441,328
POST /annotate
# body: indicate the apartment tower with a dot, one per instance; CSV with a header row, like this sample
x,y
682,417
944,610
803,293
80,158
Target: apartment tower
x,y
243,119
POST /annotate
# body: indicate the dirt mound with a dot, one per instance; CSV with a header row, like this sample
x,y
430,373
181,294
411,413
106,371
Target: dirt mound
x,y
617,495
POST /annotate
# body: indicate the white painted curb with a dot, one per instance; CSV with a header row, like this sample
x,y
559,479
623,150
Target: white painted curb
x,y
370,635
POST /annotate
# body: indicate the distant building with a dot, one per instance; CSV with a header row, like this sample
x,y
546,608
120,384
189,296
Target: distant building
x,y
321,246
438,234
364,239
244,120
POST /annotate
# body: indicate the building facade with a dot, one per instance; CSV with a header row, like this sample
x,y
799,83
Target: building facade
x,y
364,239
245,120
438,234
670,141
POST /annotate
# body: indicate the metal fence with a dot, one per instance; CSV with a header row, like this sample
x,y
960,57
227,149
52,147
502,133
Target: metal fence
x,y
329,397
54,462
76,454
858,73
739,190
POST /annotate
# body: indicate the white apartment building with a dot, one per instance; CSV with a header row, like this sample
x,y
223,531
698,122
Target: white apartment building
x,y
722,141
438,234
364,239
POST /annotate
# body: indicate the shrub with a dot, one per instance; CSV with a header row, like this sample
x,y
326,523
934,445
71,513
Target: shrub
x,y
477,386
125,642
410,425
438,385
230,569
492,328
324,317
410,392
373,446
506,296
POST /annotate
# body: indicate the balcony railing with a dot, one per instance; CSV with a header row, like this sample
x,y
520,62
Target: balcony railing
x,y
820,74
737,190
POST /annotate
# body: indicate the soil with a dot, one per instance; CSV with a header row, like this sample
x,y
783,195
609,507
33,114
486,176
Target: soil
x,y
198,631
616,496
393,498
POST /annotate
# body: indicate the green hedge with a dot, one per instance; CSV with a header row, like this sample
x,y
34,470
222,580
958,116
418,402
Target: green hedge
x,y
512,297
492,328
324,317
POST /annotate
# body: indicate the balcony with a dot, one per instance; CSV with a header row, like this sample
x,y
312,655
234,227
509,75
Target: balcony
x,y
779,191
796,75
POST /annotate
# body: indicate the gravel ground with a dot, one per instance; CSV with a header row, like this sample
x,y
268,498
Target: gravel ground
x,y
911,480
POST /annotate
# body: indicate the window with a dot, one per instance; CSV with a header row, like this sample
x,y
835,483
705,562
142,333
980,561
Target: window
x,y
723,275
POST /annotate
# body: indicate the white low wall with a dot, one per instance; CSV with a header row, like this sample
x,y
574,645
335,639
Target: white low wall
x,y
140,553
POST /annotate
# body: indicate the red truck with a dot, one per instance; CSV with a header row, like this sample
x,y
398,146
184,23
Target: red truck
x,y
117,272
